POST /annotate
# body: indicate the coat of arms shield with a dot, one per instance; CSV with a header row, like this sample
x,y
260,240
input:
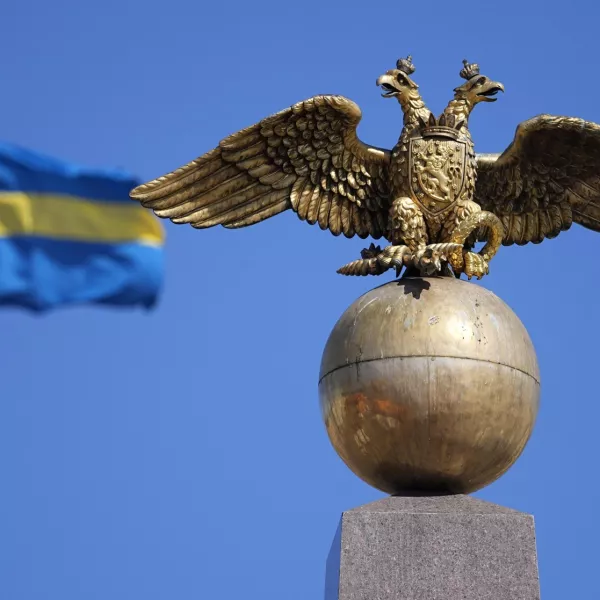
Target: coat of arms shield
x,y
437,172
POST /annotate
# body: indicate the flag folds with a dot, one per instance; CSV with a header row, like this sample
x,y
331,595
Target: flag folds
x,y
71,235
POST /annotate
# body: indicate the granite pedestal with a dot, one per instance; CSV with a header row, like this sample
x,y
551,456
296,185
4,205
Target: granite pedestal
x,y
433,548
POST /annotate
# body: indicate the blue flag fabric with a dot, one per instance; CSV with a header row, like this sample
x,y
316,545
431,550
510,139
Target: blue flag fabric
x,y
71,235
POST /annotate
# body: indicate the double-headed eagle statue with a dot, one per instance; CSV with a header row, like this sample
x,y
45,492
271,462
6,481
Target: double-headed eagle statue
x,y
432,197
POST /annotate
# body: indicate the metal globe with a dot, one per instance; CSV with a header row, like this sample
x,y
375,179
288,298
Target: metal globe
x,y
429,385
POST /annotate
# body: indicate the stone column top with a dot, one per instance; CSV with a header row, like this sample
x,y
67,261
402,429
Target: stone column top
x,y
441,504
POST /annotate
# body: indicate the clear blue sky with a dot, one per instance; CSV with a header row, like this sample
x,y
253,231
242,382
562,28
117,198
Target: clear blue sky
x,y
181,454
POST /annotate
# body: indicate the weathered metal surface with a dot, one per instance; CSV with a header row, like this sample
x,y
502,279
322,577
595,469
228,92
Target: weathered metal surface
x,y
429,384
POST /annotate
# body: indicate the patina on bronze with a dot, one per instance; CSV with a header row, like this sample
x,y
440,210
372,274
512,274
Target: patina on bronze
x,y
432,197
430,385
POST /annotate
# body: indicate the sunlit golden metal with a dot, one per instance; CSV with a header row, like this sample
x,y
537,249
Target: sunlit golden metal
x,y
430,385
431,190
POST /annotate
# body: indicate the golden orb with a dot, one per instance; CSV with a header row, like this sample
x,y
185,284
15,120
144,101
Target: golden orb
x,y
429,385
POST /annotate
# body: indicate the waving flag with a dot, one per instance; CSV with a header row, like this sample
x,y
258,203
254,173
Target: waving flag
x,y
71,235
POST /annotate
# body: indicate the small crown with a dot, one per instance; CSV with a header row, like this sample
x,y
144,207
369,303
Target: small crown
x,y
405,65
446,126
469,70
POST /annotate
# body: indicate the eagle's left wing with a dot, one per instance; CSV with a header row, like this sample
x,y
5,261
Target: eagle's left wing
x,y
548,178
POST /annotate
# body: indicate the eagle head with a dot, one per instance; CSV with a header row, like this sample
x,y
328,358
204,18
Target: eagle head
x,y
478,88
397,82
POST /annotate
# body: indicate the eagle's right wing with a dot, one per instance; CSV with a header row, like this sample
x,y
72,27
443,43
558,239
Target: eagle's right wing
x,y
547,179
306,157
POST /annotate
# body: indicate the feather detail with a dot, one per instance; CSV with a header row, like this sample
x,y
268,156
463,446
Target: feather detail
x,y
235,156
224,204
306,158
241,211
347,226
199,196
242,139
546,180
324,209
260,215
314,206
335,215
304,197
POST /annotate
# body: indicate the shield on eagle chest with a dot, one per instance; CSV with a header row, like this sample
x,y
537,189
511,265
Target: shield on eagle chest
x,y
437,171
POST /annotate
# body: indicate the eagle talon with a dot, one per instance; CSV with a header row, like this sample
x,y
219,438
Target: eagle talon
x,y
375,261
434,258
428,261
475,265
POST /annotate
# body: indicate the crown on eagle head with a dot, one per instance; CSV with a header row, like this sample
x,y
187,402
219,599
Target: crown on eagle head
x,y
469,70
405,65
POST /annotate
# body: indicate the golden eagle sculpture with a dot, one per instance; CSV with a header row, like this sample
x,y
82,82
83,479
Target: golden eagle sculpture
x,y
432,197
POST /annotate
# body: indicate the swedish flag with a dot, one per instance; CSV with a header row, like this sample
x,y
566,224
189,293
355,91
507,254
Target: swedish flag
x,y
71,235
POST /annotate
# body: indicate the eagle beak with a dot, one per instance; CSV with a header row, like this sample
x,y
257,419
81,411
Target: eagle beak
x,y
387,83
490,90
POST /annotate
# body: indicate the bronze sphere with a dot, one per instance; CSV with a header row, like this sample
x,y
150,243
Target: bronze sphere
x,y
429,385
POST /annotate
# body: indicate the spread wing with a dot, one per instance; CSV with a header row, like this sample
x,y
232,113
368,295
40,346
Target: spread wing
x,y
306,157
548,178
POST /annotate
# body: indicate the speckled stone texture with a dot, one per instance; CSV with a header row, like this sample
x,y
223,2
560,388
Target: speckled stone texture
x,y
433,548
